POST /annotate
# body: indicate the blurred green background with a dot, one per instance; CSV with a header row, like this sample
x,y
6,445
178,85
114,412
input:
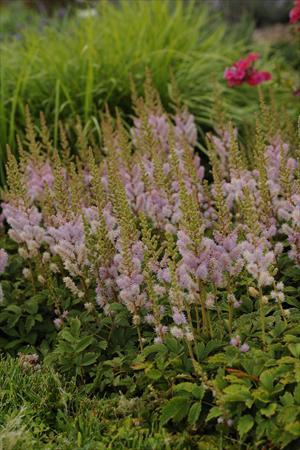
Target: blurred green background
x,y
68,58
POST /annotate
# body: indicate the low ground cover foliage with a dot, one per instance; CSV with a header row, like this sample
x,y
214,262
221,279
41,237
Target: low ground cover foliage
x,y
165,285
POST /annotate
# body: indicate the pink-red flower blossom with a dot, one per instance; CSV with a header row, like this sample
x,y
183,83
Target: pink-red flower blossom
x,y
295,12
243,71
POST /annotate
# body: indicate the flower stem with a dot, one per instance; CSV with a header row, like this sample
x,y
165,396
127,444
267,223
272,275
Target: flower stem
x,y
262,318
230,317
140,338
196,365
203,308
211,333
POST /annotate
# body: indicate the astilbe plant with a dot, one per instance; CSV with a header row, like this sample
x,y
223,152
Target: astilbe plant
x,y
136,222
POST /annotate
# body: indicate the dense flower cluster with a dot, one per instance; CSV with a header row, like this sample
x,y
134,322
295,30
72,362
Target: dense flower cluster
x,y
295,12
243,71
143,228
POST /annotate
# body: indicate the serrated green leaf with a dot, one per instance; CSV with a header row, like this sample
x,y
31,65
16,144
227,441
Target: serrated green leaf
x,y
173,345
29,323
15,309
200,350
31,338
219,358
83,343
287,399
31,306
297,394
88,359
67,336
155,348
237,393
267,378
102,345
194,413
153,374
176,409
214,412
288,414
293,428
75,326
13,344
269,411
185,386
65,347
245,424
295,349
211,346
198,392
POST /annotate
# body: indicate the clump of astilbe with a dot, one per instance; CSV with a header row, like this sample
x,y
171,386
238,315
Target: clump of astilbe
x,y
182,327
151,120
231,261
38,172
129,249
272,197
235,173
100,236
292,229
158,200
261,162
23,217
138,222
155,287
198,265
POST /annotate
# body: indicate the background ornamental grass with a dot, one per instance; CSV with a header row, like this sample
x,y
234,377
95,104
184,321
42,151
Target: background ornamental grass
x,y
73,66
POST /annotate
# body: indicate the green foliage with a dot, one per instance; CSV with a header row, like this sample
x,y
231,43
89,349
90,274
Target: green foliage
x,y
160,396
73,351
187,403
25,319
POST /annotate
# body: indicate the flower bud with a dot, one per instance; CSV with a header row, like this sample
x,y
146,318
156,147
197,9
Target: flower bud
x,y
253,292
23,252
54,268
26,273
46,257
136,320
41,279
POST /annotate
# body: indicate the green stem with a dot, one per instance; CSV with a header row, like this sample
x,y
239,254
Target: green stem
x,y
280,307
197,319
140,338
203,308
111,330
230,316
230,308
262,318
282,311
196,366
211,333
32,276
190,320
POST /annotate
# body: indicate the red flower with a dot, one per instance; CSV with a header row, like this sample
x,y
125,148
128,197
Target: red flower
x,y
256,77
295,12
243,71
